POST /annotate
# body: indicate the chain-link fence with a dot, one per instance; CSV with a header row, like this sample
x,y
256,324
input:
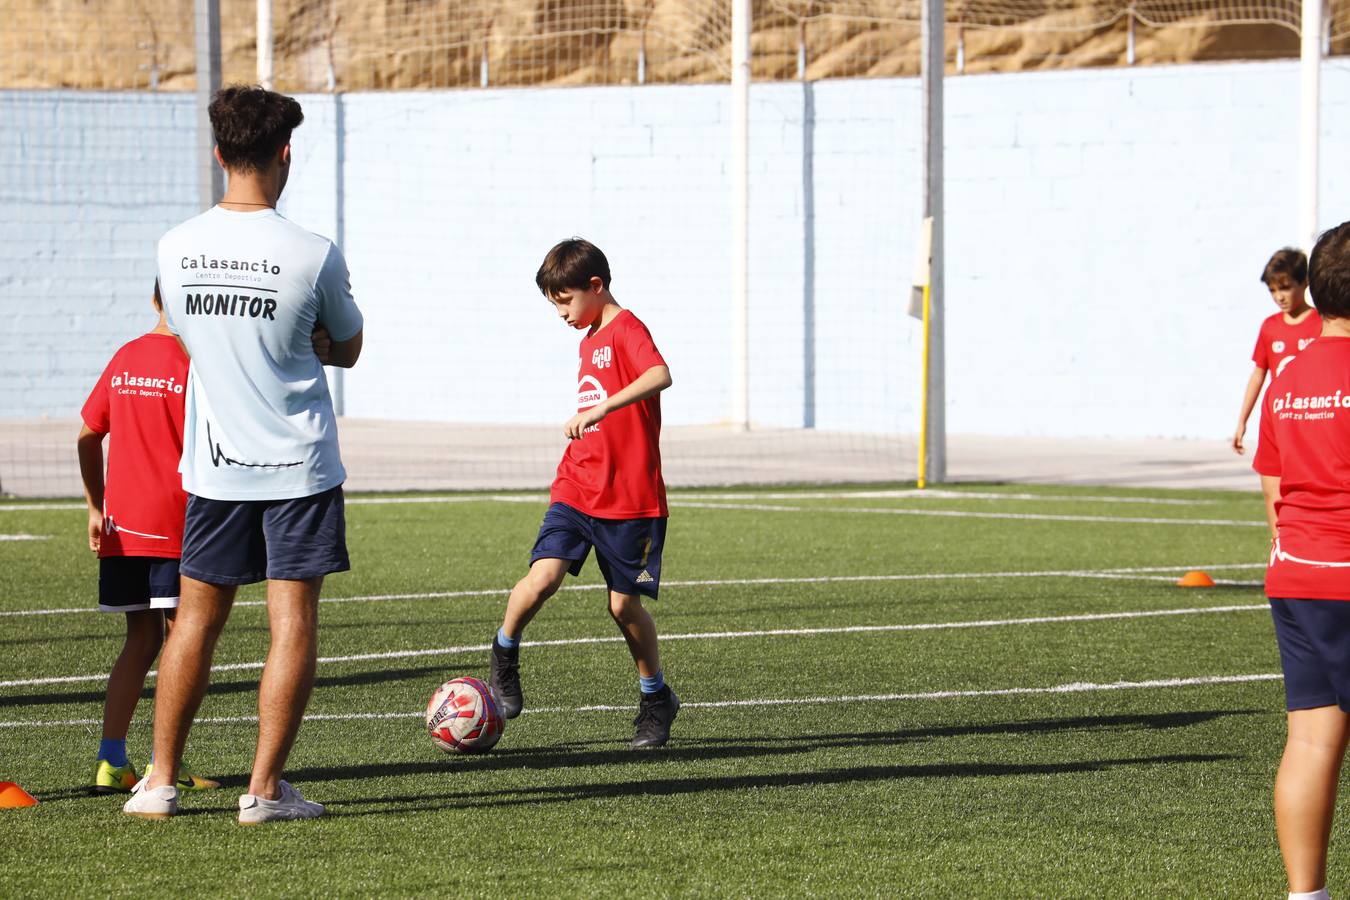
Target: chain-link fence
x,y
349,45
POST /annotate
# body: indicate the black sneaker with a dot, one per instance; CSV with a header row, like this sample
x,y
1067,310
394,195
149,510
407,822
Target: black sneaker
x,y
656,712
505,679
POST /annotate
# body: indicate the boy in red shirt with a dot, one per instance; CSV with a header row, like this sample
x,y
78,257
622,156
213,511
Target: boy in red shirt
x,y
136,522
1305,443
1283,336
608,493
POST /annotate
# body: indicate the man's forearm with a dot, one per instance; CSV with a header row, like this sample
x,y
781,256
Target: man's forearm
x,y
344,354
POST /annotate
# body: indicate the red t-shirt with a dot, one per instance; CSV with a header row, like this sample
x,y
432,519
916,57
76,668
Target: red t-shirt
x,y
1279,342
138,401
1305,442
614,470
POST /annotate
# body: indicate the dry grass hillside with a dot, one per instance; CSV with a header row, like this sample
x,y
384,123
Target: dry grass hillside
x,y
408,44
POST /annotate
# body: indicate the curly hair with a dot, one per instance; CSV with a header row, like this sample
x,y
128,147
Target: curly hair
x,y
251,125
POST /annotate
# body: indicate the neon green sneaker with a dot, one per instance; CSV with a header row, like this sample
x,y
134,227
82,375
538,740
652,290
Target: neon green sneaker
x,y
187,781
109,779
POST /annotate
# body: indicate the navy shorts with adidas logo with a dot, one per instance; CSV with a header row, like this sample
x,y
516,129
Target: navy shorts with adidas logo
x,y
628,550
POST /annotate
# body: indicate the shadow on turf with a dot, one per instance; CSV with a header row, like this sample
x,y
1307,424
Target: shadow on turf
x,y
672,786
606,753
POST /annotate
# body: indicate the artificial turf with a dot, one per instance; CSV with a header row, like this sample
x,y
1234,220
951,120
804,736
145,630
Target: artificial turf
x,y
904,773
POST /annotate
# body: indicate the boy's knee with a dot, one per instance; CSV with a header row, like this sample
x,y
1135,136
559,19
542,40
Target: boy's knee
x,y
143,647
145,629
624,606
542,583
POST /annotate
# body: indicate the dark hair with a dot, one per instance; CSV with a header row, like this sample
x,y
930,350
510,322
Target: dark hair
x,y
571,264
159,301
1329,273
251,124
1288,262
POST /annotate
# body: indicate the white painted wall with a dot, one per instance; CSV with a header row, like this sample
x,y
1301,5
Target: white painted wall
x,y
1105,233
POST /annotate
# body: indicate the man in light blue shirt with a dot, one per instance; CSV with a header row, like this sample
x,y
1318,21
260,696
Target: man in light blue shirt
x,y
246,292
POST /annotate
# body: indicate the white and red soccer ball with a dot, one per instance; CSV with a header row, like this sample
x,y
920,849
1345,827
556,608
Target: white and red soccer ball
x,y
463,717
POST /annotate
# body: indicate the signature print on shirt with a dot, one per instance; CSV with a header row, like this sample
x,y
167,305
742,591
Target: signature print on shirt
x,y
218,456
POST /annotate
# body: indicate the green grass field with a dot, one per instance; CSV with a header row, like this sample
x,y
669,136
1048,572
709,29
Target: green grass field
x,y
884,695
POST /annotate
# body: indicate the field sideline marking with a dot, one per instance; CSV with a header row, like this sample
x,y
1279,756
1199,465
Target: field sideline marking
x,y
677,498
25,537
704,635
938,494
968,514
1123,574
1077,687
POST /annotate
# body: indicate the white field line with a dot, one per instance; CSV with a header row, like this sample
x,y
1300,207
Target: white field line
x,y
1077,687
936,494
703,636
25,537
677,497
1127,574
967,514
456,498
350,501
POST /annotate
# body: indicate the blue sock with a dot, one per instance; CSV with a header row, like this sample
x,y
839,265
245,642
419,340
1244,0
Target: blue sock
x,y
115,752
509,643
653,684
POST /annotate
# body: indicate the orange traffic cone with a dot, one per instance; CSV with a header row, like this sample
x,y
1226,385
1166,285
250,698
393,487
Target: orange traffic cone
x,y
12,796
1195,578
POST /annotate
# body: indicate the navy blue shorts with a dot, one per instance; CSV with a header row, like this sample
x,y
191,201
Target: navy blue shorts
x,y
135,583
246,541
1314,639
628,550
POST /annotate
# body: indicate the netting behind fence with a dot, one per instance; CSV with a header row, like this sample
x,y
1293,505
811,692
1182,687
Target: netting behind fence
x,y
351,45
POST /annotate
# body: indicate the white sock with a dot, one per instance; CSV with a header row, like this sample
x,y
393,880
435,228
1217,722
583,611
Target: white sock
x,y
1320,894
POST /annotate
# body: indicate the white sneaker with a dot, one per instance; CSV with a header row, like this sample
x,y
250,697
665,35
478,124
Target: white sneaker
x,y
153,803
254,810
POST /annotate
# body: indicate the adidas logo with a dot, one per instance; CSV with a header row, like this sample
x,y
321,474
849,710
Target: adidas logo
x,y
645,578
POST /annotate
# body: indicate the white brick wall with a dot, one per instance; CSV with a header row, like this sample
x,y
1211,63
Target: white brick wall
x,y
1105,231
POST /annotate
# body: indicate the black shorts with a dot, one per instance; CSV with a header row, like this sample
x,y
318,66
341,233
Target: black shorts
x,y
628,550
246,541
135,583
1314,639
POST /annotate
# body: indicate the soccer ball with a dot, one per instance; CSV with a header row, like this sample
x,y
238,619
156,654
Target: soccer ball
x,y
462,717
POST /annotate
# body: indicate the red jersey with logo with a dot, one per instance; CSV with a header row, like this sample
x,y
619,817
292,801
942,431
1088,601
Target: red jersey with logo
x,y
138,402
1305,441
1279,342
613,471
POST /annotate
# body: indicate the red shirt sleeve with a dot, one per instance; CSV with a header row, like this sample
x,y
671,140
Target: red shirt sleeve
x,y
96,409
641,349
1260,356
1267,460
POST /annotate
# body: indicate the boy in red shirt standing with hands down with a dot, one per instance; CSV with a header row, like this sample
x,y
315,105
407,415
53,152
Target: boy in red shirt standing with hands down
x,y
1283,336
136,522
608,493
1305,443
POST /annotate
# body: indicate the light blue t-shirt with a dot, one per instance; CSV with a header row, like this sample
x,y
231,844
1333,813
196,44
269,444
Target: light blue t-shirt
x,y
244,291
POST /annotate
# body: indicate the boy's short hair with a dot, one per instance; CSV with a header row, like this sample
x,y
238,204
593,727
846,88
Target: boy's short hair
x,y
1329,273
571,264
1288,262
251,124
